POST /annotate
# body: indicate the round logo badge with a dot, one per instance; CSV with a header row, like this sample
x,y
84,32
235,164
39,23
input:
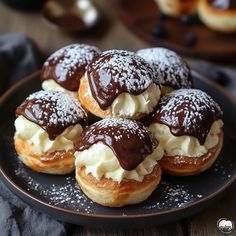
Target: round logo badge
x,y
225,225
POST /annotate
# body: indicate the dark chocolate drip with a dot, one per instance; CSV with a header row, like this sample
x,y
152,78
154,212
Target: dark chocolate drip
x,y
53,111
129,140
188,112
115,72
223,4
67,65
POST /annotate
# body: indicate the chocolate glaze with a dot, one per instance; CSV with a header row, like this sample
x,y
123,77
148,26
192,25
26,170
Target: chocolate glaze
x,y
223,4
188,112
53,111
169,68
67,65
115,72
129,140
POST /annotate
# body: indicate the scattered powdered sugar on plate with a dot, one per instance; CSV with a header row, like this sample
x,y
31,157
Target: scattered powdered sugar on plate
x,y
67,195
168,67
174,196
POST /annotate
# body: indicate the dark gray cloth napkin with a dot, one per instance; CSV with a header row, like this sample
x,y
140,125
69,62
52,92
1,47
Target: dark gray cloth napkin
x,y
19,57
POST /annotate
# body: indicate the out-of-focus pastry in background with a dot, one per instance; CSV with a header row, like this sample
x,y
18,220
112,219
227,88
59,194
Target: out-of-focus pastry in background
x,y
218,15
71,16
177,7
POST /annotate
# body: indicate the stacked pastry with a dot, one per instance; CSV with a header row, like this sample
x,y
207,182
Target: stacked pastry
x,y
177,7
150,120
219,15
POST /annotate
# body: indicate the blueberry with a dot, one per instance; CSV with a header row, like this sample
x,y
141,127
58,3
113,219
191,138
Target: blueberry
x,y
189,19
160,31
220,77
186,20
190,39
161,15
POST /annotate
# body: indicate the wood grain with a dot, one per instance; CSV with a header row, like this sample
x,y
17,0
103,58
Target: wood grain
x,y
164,230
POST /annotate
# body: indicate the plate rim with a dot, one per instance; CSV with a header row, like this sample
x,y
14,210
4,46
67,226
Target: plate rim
x,y
9,181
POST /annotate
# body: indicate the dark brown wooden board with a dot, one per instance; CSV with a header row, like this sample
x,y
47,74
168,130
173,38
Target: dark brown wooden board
x,y
142,16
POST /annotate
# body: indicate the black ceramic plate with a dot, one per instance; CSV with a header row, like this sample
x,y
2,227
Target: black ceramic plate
x,y
60,197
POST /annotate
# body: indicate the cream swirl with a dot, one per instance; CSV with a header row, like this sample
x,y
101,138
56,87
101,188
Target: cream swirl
x,y
185,145
128,105
34,134
54,86
100,161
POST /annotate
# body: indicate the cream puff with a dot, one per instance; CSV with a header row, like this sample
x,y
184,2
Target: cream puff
x,y
48,124
177,7
119,84
219,15
169,68
188,125
117,162
63,70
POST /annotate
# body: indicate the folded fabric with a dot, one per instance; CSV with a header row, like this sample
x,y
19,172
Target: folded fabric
x,y
19,57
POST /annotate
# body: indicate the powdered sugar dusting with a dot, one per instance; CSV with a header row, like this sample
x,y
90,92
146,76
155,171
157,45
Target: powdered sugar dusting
x,y
189,102
127,127
174,195
168,67
56,107
124,69
71,57
67,195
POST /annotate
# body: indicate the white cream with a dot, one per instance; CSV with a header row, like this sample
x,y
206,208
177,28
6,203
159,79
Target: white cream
x,y
99,160
185,145
50,84
129,105
34,134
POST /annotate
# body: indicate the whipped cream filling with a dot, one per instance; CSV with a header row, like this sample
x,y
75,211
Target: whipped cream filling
x,y
100,161
126,104
50,84
185,145
35,135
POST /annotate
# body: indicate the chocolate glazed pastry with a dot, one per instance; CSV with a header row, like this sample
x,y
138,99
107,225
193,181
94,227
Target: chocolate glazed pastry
x,y
47,126
218,15
109,74
188,112
169,68
223,4
67,65
116,162
48,110
130,141
188,125
119,84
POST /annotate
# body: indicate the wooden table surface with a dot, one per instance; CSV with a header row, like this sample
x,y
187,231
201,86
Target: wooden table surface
x,y
114,34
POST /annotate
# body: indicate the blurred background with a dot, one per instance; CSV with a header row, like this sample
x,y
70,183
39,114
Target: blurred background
x,y
130,25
